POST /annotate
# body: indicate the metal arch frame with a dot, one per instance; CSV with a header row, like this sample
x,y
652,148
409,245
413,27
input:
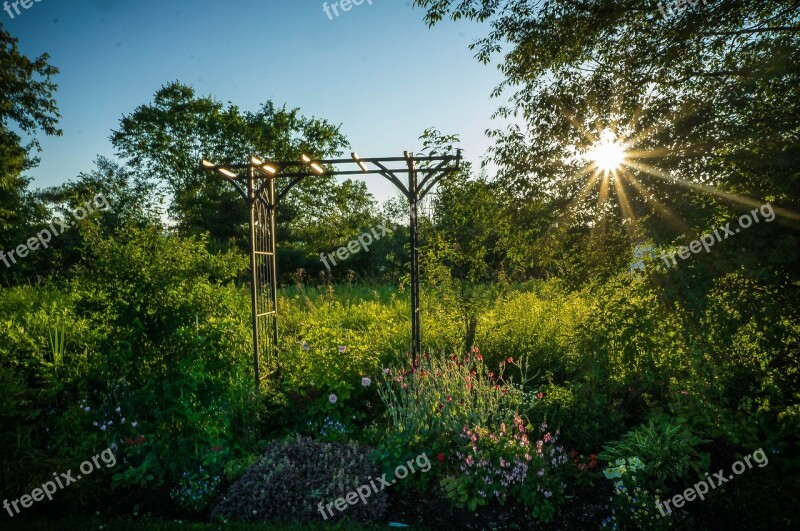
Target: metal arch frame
x,y
256,181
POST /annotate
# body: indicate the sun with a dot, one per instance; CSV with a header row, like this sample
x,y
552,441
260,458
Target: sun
x,y
607,154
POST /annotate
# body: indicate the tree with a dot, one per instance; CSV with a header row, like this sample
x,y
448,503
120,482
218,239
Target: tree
x,y
707,97
164,141
27,102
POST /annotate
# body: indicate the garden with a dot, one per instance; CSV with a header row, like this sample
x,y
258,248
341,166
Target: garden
x,y
573,375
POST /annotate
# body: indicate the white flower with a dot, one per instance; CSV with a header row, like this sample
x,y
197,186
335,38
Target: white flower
x,y
118,409
385,371
87,409
134,423
122,421
332,399
103,427
366,382
94,423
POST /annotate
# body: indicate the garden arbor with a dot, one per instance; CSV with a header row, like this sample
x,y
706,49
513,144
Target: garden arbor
x,y
263,184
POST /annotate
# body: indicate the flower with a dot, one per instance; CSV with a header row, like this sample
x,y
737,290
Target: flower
x,y
332,398
305,345
118,410
94,423
366,382
511,360
440,457
122,420
449,398
491,375
134,423
385,371
539,395
342,349
87,409
475,349
103,427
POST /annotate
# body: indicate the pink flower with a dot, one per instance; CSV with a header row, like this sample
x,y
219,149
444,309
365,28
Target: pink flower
x,y
511,360
540,396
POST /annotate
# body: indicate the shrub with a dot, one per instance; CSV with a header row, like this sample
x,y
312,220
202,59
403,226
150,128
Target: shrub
x,y
291,479
632,505
428,406
668,448
506,464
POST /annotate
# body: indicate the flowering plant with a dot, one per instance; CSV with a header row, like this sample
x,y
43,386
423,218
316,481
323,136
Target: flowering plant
x,y
509,463
427,405
632,505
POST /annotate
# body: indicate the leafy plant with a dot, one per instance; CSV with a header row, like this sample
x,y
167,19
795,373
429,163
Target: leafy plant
x,y
669,450
294,476
506,463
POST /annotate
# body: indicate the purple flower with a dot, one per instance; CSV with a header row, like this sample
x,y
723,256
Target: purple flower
x,y
342,349
366,382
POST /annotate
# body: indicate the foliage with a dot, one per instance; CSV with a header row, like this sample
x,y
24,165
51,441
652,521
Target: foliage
x,y
196,490
505,464
632,505
668,448
427,406
293,476
27,105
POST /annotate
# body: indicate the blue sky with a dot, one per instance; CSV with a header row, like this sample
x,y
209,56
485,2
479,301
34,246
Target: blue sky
x,y
377,69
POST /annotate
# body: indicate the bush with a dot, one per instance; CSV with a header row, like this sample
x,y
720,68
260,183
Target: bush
x,y
294,476
667,448
505,464
428,406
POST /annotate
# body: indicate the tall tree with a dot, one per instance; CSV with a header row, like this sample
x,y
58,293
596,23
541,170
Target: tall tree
x,y
27,106
166,139
704,98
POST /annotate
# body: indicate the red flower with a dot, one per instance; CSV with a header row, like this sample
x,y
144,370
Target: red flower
x,y
491,375
505,391
449,398
479,357
440,457
511,360
475,349
539,395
